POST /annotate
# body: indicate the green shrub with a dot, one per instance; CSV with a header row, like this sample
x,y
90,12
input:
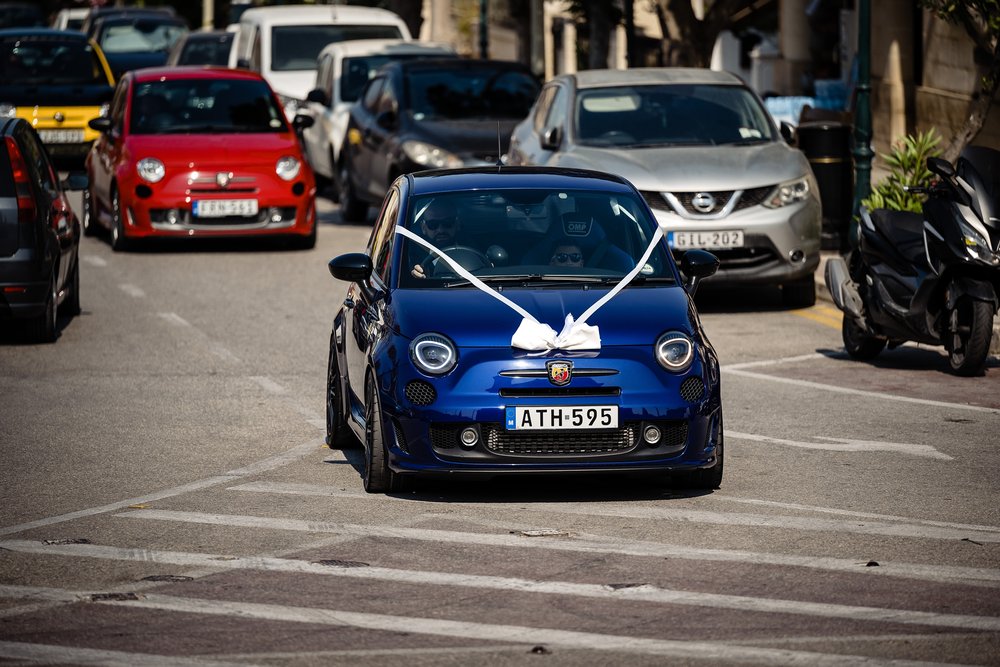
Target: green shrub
x,y
907,167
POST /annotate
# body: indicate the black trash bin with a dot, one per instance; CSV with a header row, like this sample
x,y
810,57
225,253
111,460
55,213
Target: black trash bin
x,y
827,145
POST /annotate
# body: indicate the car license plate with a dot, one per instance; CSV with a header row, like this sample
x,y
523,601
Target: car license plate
x,y
538,417
61,136
222,208
707,240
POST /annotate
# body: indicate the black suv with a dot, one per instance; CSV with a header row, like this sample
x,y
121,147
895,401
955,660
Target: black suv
x,y
39,236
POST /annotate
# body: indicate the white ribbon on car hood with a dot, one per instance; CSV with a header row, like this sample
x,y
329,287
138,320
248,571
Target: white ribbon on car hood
x,y
536,336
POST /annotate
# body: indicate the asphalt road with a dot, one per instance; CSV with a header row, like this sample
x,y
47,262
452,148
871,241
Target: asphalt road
x,y
166,499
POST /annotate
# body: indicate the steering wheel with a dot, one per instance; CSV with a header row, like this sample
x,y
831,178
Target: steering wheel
x,y
468,258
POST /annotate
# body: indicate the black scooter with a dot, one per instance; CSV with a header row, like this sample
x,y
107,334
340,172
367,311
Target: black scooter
x,y
932,278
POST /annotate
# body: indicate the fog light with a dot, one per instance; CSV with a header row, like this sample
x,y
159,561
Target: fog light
x,y
274,213
173,216
651,435
797,256
469,437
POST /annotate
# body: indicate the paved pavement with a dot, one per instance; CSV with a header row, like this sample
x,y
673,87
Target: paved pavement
x,y
823,294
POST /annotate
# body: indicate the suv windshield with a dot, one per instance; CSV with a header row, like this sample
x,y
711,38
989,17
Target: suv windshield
x,y
470,92
296,47
140,35
217,106
530,237
357,70
676,114
39,61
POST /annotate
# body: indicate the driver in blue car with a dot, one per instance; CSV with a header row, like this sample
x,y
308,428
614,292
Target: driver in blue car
x,y
439,226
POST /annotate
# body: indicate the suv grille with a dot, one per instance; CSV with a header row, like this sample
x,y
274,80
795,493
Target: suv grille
x,y
547,443
750,198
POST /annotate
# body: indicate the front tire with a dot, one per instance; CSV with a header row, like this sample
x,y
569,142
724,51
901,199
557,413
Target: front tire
x,y
42,328
352,208
970,328
378,476
338,433
71,304
119,242
859,343
90,225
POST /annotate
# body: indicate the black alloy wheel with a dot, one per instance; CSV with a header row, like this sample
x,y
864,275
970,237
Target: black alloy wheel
x,y
859,343
119,242
338,433
970,328
352,209
378,477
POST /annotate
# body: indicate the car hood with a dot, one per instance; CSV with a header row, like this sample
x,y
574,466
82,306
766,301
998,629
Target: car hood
x,y
464,137
50,95
214,151
293,84
635,316
690,168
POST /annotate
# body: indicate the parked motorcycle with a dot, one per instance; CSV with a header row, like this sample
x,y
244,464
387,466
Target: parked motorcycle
x,y
932,278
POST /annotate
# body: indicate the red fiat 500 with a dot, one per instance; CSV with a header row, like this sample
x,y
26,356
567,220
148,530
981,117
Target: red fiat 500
x,y
198,152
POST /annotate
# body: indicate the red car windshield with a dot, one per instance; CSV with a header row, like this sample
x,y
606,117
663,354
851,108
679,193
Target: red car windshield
x,y
205,106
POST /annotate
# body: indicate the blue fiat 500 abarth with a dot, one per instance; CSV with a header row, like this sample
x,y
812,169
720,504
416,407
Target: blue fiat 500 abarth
x,y
522,320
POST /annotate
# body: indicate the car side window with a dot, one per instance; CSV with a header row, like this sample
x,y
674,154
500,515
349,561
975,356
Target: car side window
x,y
117,112
383,237
544,100
37,162
557,112
371,95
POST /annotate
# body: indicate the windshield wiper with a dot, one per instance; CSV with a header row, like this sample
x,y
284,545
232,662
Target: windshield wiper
x,y
499,280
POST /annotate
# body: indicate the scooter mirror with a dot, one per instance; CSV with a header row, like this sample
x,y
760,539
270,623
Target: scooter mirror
x,y
940,167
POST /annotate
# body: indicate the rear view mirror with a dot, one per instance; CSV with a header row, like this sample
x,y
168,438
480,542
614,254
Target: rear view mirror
x,y
301,121
941,167
787,132
101,124
242,63
698,264
318,96
354,267
552,139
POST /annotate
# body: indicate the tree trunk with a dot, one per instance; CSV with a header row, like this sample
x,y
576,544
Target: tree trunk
x,y
600,35
410,12
979,109
688,41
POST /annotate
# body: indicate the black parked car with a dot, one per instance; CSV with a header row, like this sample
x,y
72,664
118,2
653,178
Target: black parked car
x,y
430,114
39,236
202,48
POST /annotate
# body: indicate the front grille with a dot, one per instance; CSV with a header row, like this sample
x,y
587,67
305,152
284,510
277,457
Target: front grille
x,y
419,392
445,437
656,201
223,191
158,216
560,443
721,199
753,197
675,434
692,389
546,392
750,198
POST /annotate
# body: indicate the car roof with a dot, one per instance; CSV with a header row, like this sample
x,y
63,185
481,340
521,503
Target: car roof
x,y
147,17
478,178
297,14
207,35
46,33
455,63
599,78
192,72
372,47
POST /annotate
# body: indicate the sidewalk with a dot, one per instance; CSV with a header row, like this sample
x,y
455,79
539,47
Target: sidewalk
x,y
822,294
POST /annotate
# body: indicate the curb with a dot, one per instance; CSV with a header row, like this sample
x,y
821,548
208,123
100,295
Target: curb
x,y
823,294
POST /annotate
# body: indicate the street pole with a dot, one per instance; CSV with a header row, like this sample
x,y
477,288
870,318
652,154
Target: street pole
x,y
207,14
862,119
484,48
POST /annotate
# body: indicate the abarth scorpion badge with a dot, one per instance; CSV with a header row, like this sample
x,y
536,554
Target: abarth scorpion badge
x,y
560,372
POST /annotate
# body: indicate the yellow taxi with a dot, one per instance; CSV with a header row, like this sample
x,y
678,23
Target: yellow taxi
x,y
58,81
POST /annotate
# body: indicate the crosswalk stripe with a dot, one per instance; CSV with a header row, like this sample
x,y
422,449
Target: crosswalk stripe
x,y
591,544
644,593
50,654
527,636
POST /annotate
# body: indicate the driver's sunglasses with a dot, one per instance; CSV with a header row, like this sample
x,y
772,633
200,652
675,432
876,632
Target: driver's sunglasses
x,y
563,257
440,222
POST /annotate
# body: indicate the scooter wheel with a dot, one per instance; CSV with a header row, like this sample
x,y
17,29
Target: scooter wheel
x,y
859,343
970,328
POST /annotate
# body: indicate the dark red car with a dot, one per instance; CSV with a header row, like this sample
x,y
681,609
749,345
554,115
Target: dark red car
x,y
198,152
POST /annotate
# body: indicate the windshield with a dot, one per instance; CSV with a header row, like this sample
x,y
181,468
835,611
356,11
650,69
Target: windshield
x,y
218,106
296,47
666,115
530,237
140,35
470,93
208,51
357,70
35,61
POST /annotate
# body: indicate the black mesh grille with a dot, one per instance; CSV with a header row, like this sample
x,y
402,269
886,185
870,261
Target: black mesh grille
x,y
721,199
692,389
420,393
675,434
159,216
753,197
400,438
560,391
749,198
549,443
656,201
444,437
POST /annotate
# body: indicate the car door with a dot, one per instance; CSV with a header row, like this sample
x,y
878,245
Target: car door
x,y
53,213
365,318
316,137
380,139
526,137
552,136
362,119
106,148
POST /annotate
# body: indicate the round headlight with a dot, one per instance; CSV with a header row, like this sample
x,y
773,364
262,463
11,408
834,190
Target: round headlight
x,y
287,168
150,170
674,351
433,354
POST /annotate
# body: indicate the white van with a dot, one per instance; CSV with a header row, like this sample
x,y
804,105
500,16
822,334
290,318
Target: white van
x,y
282,42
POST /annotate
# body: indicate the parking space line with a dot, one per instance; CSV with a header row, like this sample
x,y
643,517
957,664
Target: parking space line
x,y
644,593
824,315
53,654
94,260
848,445
132,290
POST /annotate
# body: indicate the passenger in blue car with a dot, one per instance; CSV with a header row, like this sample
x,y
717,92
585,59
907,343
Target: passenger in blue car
x,y
567,253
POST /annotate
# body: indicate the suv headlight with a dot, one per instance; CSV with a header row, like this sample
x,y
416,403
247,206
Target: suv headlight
x,y
789,193
150,170
674,351
431,156
287,168
433,353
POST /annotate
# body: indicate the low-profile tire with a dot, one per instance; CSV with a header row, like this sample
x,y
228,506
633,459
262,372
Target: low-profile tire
x,y
334,189
42,328
71,304
352,208
378,477
90,225
338,433
799,294
859,343
707,479
970,328
307,242
119,242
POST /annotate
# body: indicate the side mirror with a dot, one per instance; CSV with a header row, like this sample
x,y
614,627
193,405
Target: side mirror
x,y
318,96
354,267
76,180
102,124
301,121
552,139
242,63
698,264
386,120
941,167
787,132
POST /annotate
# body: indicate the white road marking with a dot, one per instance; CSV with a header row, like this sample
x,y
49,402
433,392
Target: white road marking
x,y
528,636
858,392
269,463
219,350
71,655
588,544
846,445
175,319
133,291
772,362
94,260
269,385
